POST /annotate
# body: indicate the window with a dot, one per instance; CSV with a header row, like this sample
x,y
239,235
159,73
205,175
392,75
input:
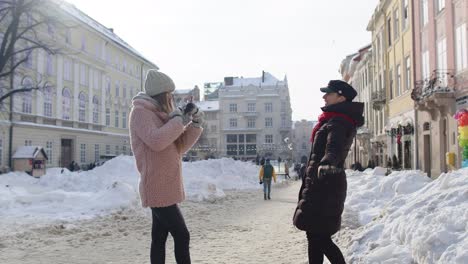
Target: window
x,y
83,153
117,89
27,96
268,122
268,107
251,107
66,103
83,75
82,107
67,70
116,123
442,62
283,106
251,122
47,100
405,14
440,5
268,139
124,119
390,76
28,142
284,122
95,110
107,116
108,86
389,31
232,108
124,91
425,65
425,12
48,151
396,26
117,151
213,128
408,73
107,149
49,64
233,122
29,59
461,48
398,81
96,152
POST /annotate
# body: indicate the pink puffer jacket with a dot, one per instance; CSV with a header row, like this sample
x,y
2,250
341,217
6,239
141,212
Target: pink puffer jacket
x,y
158,160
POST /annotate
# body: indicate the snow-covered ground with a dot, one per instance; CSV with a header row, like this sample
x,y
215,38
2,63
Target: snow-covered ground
x,y
401,218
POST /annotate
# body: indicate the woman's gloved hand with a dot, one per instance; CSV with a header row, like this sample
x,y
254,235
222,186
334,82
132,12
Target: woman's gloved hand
x,y
197,118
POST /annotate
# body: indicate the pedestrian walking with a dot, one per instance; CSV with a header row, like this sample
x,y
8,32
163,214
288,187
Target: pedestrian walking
x,y
160,134
323,191
267,172
286,170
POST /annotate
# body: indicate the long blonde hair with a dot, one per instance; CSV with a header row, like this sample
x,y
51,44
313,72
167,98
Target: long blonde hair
x,y
167,105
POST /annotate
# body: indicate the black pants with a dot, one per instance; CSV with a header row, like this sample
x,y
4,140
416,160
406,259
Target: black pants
x,y
320,245
169,220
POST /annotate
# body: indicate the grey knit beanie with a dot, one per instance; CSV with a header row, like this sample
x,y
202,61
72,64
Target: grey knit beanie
x,y
157,82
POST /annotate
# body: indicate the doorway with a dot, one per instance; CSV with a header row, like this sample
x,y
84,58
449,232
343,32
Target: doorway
x,y
427,155
66,152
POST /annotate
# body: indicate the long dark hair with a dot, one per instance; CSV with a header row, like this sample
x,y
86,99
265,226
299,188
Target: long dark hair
x,y
166,103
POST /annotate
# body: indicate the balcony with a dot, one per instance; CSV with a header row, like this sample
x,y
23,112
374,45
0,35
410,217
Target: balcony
x,y
249,114
378,99
435,93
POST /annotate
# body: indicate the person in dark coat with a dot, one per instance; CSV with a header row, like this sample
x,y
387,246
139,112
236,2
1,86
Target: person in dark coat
x,y
323,191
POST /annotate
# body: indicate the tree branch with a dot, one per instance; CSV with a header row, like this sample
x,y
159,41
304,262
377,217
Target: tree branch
x,y
10,93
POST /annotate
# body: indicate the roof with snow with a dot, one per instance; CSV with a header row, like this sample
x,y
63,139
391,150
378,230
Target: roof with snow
x,y
29,152
207,106
269,79
81,16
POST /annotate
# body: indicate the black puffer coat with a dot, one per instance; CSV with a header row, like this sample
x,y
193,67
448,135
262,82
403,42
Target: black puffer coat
x,y
321,201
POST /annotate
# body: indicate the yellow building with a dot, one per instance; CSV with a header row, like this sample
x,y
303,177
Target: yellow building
x,y
83,113
393,82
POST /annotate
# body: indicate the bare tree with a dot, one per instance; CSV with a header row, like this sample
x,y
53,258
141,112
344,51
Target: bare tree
x,y
25,26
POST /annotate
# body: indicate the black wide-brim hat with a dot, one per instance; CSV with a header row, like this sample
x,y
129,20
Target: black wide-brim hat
x,y
341,88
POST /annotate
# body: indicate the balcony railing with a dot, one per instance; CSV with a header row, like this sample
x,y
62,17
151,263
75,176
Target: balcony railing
x,y
249,113
378,99
440,82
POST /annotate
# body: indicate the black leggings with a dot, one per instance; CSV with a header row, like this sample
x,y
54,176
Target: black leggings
x,y
169,220
320,245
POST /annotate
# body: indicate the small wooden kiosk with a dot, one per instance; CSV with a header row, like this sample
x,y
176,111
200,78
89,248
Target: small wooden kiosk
x,y
30,159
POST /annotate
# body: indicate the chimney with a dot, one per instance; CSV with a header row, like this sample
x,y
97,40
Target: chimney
x,y
263,76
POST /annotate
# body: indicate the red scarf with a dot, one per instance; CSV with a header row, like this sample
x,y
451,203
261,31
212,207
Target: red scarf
x,y
325,116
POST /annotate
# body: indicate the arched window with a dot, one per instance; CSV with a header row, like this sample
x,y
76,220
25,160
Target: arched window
x,y
66,102
47,100
82,107
108,86
95,109
27,97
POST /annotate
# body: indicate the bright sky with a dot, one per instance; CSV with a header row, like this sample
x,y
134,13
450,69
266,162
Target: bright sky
x,y
205,40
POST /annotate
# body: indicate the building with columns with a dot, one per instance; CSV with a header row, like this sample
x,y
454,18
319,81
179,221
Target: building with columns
x,y
82,113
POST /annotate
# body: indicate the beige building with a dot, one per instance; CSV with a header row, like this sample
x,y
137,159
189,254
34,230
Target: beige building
x,y
84,112
255,117
301,134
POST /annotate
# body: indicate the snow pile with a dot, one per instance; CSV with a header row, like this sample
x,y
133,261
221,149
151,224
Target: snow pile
x,y
65,195
408,218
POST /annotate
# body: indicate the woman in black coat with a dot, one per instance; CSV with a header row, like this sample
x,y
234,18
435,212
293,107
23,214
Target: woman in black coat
x,y
323,191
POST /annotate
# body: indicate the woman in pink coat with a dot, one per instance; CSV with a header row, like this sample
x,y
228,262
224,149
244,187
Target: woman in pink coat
x,y
160,134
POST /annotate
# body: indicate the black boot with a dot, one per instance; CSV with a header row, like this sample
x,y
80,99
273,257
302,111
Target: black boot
x,y
264,196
